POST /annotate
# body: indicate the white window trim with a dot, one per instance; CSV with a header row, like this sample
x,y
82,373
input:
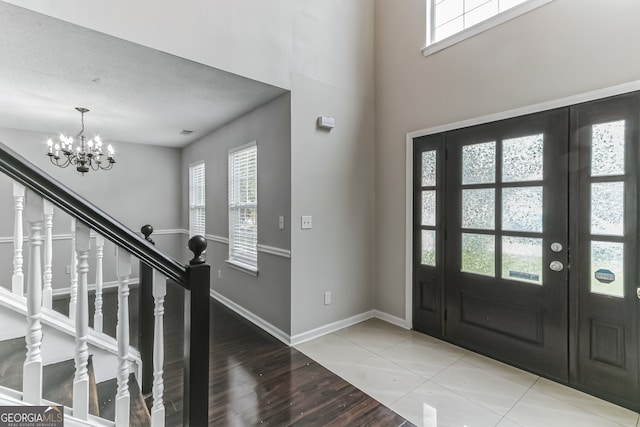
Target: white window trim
x,y
191,166
236,263
241,266
480,27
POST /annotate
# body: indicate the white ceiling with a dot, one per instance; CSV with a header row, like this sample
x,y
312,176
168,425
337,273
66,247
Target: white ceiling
x,y
135,94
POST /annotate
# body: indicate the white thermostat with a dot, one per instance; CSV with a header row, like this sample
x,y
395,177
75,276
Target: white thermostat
x,y
326,122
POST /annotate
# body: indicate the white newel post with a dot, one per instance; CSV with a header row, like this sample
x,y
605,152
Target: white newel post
x,y
73,290
97,314
47,277
32,371
159,292
123,271
17,280
81,379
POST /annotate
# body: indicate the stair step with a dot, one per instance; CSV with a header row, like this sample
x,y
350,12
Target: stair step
x,y
57,384
138,410
13,353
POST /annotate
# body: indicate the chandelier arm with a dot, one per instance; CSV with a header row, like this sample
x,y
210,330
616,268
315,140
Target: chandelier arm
x,y
108,167
57,162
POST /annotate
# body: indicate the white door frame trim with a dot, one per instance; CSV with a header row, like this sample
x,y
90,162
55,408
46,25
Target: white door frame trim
x,y
536,108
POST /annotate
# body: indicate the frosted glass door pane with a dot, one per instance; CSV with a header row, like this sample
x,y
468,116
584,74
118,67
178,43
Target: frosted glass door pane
x,y
522,159
522,209
478,209
607,261
607,208
429,208
607,149
478,254
479,163
428,168
522,259
428,254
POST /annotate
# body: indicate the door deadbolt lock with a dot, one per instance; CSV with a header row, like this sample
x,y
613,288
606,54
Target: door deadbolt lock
x,y
638,293
556,247
556,266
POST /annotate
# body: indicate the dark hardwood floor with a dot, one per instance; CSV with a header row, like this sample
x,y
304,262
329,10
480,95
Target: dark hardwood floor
x,y
254,378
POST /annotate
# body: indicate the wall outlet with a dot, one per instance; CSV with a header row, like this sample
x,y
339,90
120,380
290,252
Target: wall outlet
x,y
68,269
281,222
327,298
306,222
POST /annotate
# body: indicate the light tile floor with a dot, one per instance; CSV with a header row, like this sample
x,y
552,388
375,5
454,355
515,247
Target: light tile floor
x,y
433,383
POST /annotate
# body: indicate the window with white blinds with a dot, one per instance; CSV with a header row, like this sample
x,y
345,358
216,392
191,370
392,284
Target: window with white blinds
x,y
196,200
243,206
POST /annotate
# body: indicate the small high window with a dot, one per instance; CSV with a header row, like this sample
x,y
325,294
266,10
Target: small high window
x,y
451,21
196,200
243,207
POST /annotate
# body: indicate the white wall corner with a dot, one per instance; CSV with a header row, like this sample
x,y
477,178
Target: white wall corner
x,y
389,318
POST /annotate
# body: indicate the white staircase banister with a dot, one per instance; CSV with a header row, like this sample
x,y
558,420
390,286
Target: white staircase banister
x,y
97,314
159,293
73,290
81,379
47,277
32,371
123,271
17,280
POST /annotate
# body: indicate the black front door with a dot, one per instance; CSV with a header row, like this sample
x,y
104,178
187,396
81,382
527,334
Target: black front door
x,y
525,243
507,223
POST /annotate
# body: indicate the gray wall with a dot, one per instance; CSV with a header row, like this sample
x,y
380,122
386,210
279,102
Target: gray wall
x,y
143,187
268,295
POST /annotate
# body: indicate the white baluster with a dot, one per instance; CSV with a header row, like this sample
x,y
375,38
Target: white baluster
x,y
32,371
97,314
159,292
123,271
47,292
81,379
73,291
17,280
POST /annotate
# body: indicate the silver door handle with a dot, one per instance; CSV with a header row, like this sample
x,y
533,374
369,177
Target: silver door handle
x,y
556,266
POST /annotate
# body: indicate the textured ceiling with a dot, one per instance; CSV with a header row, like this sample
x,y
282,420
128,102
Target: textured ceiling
x,y
135,94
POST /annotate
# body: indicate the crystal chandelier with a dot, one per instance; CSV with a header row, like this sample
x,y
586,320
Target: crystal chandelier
x,y
85,155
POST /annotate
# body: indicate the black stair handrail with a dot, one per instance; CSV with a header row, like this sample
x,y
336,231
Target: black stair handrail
x,y
43,184
195,277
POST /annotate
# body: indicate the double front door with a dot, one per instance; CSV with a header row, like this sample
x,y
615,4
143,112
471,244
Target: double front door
x,y
525,236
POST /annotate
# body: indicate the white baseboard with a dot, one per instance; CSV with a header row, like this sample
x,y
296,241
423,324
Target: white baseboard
x,y
253,318
394,320
331,327
92,287
309,335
